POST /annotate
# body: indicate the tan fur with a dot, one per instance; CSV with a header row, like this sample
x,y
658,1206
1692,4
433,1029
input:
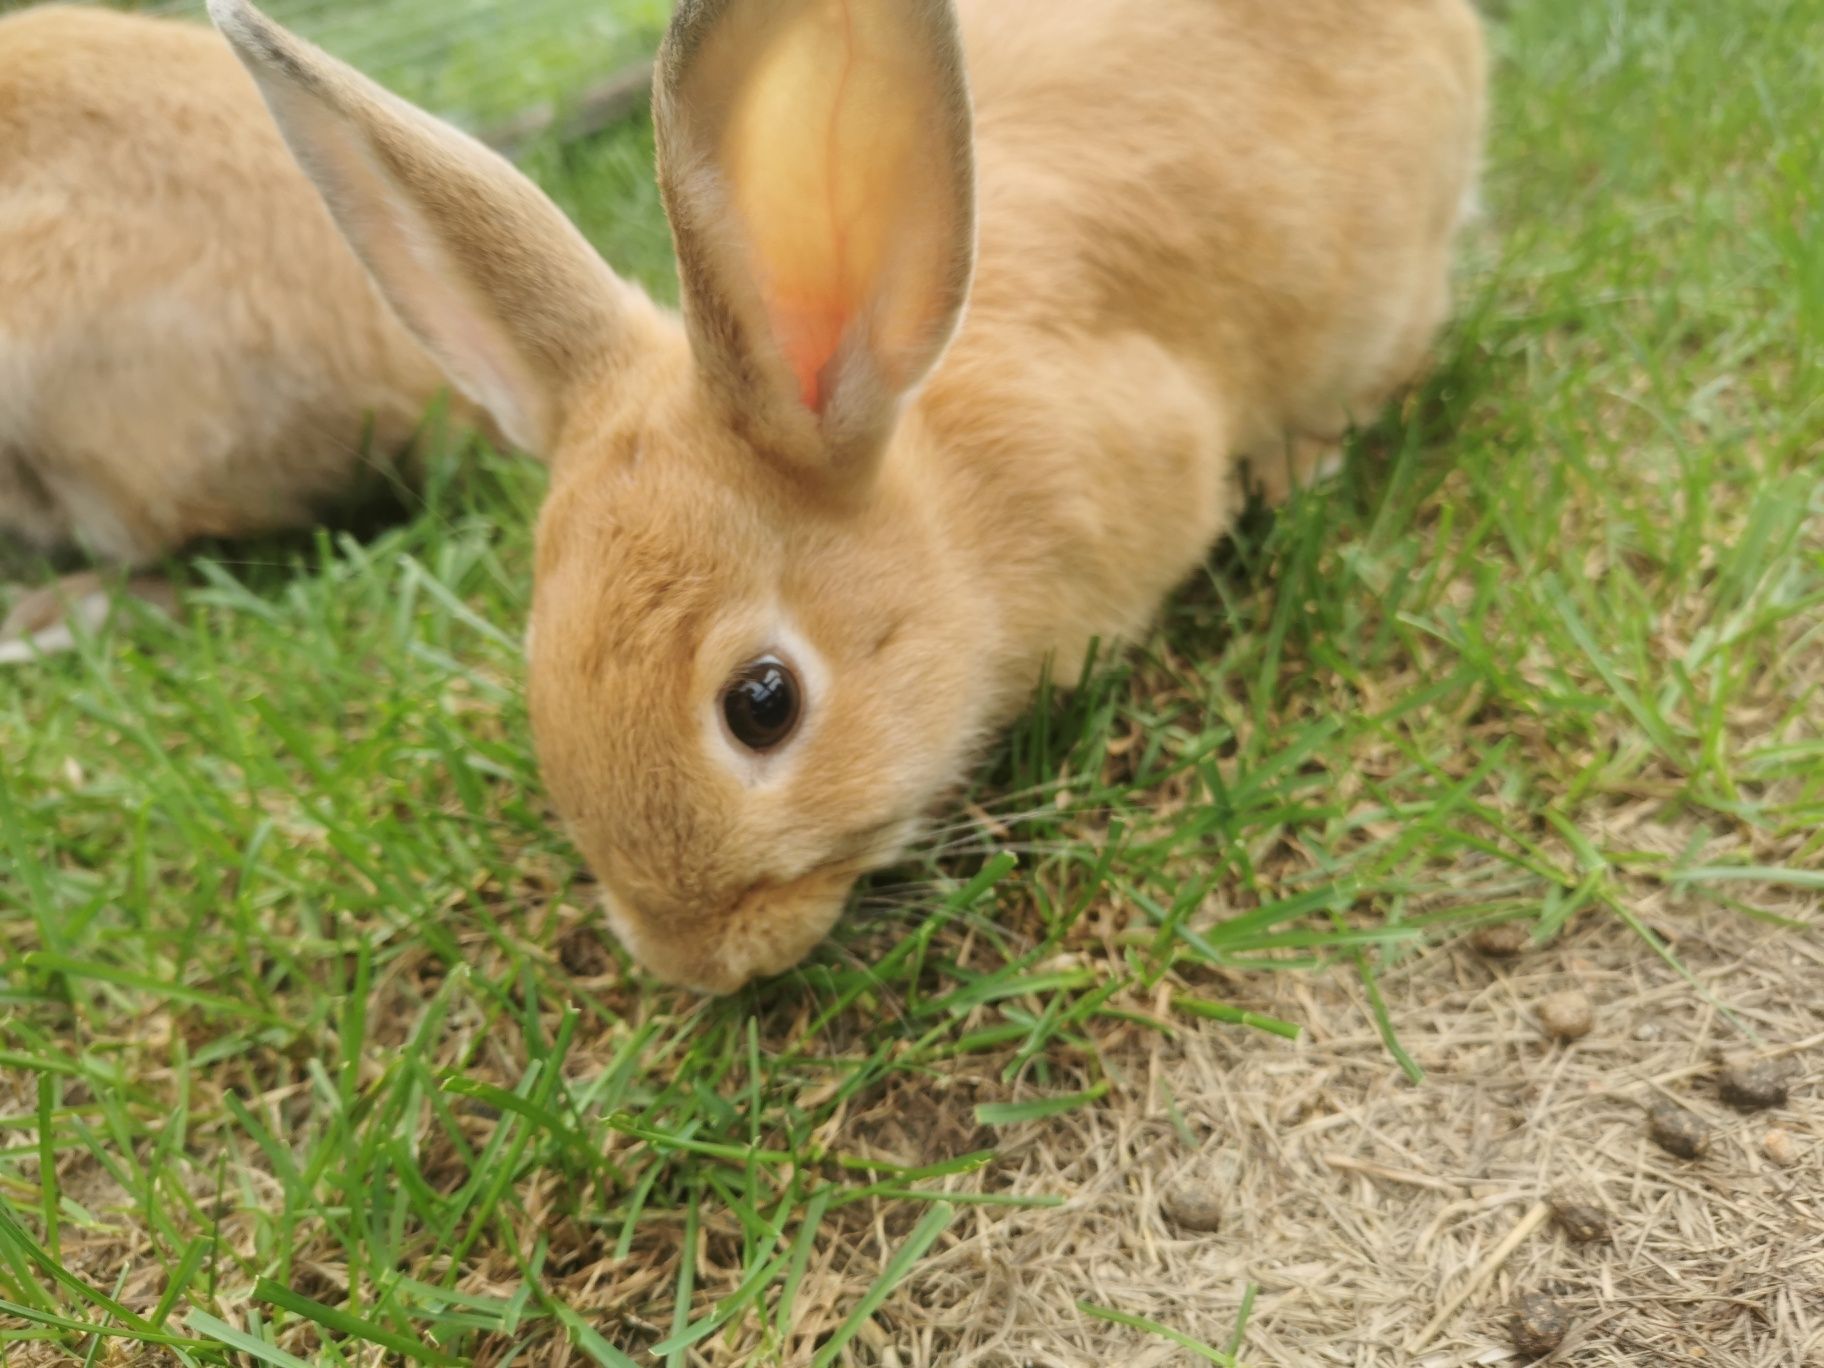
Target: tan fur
x,y
1210,234
187,346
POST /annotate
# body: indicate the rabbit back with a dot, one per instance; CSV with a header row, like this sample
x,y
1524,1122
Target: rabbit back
x,y
1212,236
1272,189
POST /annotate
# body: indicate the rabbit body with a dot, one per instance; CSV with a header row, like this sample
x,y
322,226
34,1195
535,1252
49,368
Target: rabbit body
x,y
988,318
188,348
1213,233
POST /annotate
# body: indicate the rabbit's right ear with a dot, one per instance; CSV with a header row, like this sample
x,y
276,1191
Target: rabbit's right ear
x,y
494,280
816,163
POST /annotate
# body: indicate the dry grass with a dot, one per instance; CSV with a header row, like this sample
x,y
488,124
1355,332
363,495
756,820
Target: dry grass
x,y
1361,1204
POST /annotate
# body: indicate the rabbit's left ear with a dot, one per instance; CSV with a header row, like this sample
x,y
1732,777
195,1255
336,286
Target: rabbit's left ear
x,y
815,158
501,289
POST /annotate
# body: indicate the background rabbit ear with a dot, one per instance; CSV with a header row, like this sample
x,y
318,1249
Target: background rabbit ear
x,y
487,272
815,158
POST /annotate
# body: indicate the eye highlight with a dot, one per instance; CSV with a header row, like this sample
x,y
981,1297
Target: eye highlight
x,y
761,704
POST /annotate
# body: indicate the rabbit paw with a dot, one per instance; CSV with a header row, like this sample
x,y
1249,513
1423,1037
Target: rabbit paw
x,y
44,621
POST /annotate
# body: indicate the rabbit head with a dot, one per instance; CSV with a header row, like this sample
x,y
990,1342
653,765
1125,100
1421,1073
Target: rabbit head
x,y
755,660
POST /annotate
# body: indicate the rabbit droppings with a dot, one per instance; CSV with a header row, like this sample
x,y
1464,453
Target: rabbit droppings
x,y
188,348
985,310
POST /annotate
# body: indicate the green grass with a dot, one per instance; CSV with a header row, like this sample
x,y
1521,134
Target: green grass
x,y
479,62
310,1040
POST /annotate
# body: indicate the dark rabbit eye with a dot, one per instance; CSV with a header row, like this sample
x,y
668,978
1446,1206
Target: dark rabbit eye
x,y
761,704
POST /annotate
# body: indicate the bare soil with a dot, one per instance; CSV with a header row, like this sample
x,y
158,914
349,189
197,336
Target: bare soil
x,y
1387,1222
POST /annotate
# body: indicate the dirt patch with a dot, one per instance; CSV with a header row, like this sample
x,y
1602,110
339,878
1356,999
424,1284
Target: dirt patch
x,y
1390,1223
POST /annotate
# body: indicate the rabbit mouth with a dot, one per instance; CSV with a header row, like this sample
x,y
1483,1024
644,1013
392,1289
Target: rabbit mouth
x,y
768,930
764,930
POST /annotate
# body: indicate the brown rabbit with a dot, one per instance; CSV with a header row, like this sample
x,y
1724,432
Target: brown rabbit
x,y
983,316
188,348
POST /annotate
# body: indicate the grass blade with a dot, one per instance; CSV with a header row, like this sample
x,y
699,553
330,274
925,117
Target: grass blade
x,y
82,1327
205,1324
345,1323
1013,1113
1221,1011
923,1236
1152,1327
70,967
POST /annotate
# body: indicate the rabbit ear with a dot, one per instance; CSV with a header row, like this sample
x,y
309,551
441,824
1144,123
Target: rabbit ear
x,y
815,158
487,272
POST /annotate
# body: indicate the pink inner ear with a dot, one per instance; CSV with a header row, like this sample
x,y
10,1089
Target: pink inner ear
x,y
809,332
844,205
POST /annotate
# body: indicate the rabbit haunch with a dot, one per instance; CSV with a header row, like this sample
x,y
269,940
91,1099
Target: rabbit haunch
x,y
188,348
1195,241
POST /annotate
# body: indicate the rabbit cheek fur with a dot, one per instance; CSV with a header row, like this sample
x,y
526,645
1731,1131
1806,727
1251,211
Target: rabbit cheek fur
x,y
1210,236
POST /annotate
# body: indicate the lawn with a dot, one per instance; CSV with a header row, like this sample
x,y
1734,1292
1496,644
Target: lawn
x,y
483,63
312,1046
